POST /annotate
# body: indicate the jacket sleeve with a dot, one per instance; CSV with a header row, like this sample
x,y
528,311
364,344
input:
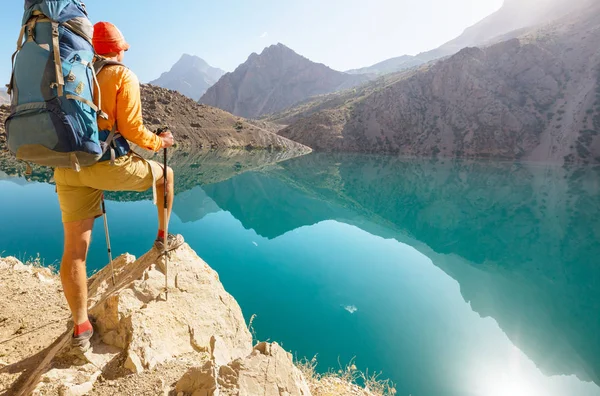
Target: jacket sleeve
x,y
129,115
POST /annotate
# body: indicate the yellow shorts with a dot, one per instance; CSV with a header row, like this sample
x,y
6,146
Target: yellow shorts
x,y
80,193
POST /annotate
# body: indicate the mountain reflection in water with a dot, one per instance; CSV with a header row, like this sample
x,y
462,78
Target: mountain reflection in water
x,y
452,277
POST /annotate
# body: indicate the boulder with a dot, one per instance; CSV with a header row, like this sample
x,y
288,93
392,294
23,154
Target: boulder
x,y
269,370
198,315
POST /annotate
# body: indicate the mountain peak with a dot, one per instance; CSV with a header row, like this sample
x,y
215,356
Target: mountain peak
x,y
188,60
280,46
390,66
190,76
278,49
274,80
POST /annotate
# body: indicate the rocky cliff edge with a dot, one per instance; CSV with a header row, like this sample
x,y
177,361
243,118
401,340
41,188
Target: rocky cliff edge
x,y
195,342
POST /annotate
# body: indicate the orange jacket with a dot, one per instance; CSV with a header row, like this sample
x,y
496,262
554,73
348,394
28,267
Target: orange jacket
x,y
121,101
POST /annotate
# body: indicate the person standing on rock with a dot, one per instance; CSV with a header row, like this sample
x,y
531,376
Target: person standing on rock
x,y
80,194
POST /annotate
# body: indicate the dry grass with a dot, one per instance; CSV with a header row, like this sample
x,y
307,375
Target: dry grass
x,y
347,381
36,262
252,329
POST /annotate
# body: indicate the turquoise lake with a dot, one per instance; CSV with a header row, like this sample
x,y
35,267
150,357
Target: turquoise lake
x,y
452,278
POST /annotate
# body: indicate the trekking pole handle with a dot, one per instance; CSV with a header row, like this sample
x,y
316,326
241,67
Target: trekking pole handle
x,y
162,129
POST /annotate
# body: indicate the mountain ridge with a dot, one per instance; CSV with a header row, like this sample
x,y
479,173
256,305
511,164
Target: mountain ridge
x,y
512,16
536,97
274,80
391,65
501,25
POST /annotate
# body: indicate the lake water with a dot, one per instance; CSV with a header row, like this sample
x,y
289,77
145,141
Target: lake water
x,y
452,278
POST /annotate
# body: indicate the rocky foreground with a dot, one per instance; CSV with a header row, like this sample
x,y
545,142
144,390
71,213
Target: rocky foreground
x,y
196,342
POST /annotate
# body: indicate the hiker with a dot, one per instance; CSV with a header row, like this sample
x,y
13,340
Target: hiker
x,y
80,193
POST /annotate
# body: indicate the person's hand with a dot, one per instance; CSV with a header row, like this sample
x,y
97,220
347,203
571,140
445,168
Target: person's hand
x,y
167,139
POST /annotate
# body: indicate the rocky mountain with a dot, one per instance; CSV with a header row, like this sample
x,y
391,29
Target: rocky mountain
x,y
513,15
200,126
535,97
390,66
274,80
502,24
190,76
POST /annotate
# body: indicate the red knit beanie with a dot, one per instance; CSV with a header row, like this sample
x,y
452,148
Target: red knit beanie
x,y
108,39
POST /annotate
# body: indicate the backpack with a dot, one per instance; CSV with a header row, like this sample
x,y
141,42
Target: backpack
x,y
53,120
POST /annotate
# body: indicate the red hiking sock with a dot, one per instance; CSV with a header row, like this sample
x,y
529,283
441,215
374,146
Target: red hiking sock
x,y
161,234
82,328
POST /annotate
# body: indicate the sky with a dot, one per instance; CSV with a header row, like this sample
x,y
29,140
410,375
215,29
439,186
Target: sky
x,y
343,34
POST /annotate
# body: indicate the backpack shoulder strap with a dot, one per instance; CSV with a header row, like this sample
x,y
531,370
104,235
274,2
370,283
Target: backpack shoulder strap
x,y
100,63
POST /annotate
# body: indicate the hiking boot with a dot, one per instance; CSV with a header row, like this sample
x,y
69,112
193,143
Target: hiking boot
x,y
81,343
173,242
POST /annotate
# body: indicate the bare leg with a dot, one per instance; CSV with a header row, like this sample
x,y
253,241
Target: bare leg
x,y
160,188
72,268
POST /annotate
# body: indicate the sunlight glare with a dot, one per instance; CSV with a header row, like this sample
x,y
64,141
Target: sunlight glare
x,y
511,387
513,377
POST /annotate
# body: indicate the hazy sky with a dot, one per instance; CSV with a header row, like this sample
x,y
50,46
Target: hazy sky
x,y
342,34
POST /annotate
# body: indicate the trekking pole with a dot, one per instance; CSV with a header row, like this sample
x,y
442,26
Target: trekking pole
x,y
110,259
165,216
